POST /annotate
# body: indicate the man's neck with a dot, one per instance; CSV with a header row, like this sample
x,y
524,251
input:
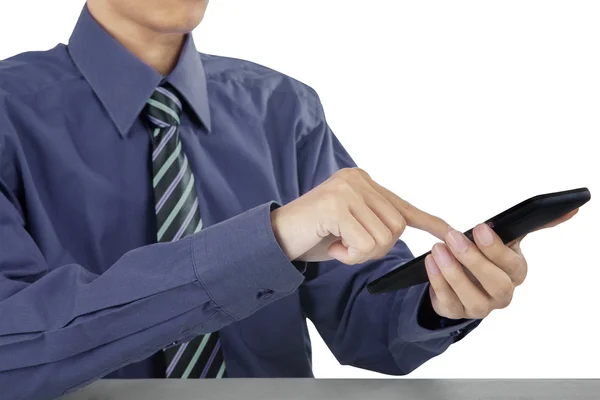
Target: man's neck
x,y
158,50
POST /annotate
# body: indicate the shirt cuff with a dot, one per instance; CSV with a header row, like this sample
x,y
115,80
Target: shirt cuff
x,y
241,265
418,321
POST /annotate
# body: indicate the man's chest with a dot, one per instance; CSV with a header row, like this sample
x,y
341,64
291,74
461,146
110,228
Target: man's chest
x,y
95,187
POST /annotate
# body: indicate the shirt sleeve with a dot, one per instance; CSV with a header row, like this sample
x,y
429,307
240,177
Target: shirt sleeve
x,y
391,333
63,327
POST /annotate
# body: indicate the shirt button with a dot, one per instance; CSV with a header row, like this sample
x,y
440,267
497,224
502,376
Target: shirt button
x,y
264,294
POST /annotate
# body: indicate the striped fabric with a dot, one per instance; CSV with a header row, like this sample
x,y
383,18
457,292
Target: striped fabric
x,y
178,215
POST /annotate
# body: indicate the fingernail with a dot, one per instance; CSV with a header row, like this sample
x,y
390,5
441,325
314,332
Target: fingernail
x,y
431,266
442,256
483,233
457,240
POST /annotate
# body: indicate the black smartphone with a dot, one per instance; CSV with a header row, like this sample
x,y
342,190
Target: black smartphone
x,y
511,224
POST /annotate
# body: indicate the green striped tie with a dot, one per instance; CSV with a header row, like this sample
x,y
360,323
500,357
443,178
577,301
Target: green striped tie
x,y
178,215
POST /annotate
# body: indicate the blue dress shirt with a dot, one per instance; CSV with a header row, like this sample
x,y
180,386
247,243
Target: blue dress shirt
x,y
85,290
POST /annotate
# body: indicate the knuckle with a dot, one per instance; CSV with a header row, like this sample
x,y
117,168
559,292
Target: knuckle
x,y
368,245
502,290
362,172
479,309
342,172
348,174
401,227
520,276
397,226
385,237
341,186
519,279
503,303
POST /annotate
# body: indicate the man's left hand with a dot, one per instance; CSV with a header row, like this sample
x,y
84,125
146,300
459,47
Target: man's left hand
x,y
470,280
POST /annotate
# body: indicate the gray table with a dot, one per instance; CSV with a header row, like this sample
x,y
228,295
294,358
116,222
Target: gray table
x,y
368,389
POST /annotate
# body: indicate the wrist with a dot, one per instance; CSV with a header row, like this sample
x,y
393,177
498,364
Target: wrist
x,y
278,225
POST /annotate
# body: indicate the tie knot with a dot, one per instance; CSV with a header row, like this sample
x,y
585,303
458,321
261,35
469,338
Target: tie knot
x,y
163,108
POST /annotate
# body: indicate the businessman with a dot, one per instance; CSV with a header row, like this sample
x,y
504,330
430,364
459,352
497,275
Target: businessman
x,y
167,213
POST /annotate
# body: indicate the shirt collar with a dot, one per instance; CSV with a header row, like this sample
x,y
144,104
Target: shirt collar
x,y
124,83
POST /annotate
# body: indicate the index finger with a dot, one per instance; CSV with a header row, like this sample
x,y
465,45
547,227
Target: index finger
x,y
414,217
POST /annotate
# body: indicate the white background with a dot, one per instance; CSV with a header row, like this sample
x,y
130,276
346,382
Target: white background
x,y
464,108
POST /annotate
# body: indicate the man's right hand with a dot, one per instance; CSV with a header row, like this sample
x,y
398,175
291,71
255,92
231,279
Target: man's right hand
x,y
349,217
